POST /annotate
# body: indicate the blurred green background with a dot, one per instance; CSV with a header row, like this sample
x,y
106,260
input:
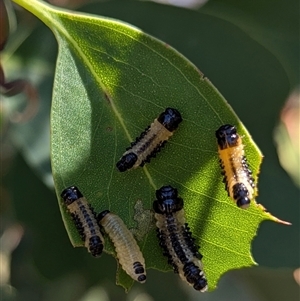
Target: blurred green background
x,y
250,52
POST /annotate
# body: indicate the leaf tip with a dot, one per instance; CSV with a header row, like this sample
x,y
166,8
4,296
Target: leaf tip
x,y
280,221
272,217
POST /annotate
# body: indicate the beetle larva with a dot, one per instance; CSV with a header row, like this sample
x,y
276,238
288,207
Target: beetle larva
x,y
176,238
238,179
149,143
85,220
128,252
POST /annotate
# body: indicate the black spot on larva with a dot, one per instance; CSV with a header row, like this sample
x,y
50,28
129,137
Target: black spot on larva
x,y
101,215
227,136
84,219
150,141
142,278
71,194
241,195
138,139
195,276
167,200
95,245
175,238
170,119
126,162
138,267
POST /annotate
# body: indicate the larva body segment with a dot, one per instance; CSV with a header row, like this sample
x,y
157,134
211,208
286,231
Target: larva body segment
x,y
85,220
176,238
128,252
238,179
149,143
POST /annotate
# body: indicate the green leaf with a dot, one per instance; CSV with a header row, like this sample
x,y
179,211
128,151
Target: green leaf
x,y
111,81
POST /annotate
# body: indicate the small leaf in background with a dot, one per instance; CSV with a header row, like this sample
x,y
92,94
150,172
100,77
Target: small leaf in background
x,y
111,81
286,136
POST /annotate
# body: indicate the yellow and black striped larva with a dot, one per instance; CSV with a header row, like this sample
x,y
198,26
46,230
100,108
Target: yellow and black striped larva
x,y
84,218
128,252
238,179
149,143
176,238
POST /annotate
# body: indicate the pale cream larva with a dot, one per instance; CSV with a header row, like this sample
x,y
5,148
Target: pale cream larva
x,y
128,252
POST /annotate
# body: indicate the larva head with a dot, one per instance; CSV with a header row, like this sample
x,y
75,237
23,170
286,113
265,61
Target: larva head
x,y
241,195
127,161
227,136
170,119
167,200
71,194
101,215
